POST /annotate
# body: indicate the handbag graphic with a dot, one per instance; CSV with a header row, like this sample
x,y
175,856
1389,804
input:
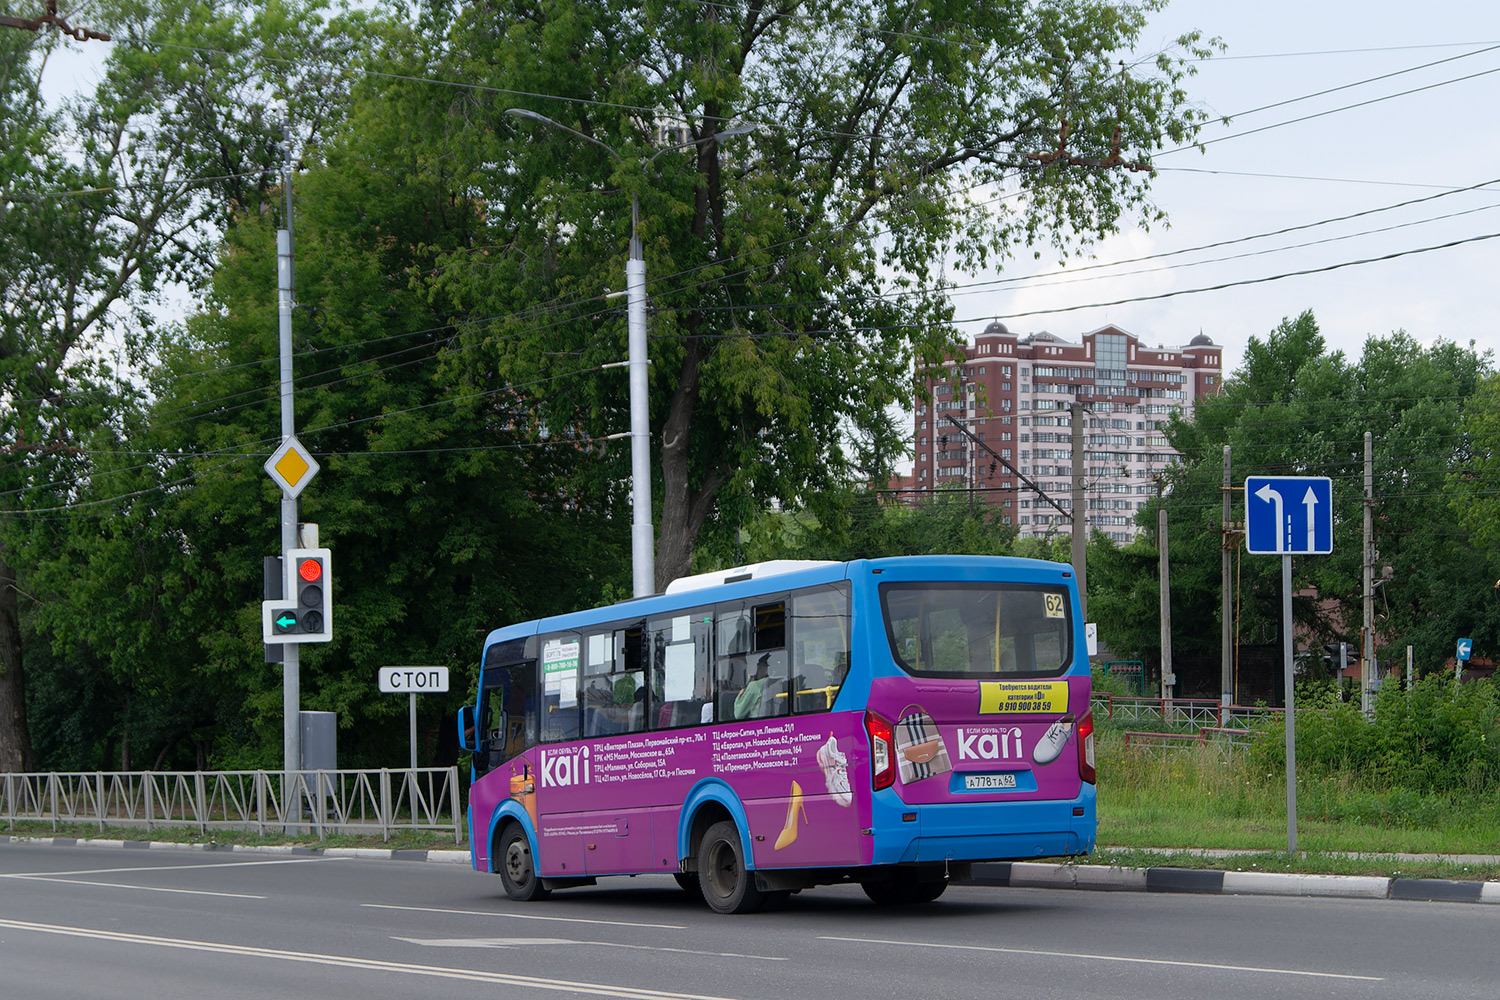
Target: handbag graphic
x,y
920,752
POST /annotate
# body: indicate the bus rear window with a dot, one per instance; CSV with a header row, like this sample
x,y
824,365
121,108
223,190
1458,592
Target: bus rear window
x,y
983,629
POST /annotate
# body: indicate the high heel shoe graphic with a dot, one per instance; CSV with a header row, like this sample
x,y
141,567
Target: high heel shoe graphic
x,y
793,807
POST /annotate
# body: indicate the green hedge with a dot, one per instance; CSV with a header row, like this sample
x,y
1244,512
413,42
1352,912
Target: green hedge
x,y
1437,737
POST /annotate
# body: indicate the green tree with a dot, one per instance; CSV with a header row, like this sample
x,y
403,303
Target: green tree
x,y
108,200
1293,408
796,274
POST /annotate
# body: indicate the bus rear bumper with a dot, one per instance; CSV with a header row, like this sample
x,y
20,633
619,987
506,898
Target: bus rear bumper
x,y
993,831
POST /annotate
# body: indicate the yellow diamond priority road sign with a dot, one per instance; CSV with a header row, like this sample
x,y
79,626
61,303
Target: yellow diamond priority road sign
x,y
292,467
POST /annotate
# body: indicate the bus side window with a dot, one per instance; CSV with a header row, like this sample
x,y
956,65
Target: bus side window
x,y
560,687
731,663
820,648
628,682
509,712
681,670
770,672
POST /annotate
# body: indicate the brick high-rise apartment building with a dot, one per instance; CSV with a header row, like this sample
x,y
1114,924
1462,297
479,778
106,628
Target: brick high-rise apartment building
x,y
1014,393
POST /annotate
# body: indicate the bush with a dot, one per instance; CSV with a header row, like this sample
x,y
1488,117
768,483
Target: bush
x,y
1438,737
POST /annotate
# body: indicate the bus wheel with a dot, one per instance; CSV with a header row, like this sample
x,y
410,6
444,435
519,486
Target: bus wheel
x,y
903,892
517,870
728,886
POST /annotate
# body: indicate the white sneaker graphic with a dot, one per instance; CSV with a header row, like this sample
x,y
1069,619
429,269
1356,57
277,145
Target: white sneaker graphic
x,y
1052,742
835,767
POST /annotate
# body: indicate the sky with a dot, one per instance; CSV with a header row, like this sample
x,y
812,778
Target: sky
x,y
1336,163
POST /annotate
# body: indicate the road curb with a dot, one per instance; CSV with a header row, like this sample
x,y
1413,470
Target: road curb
x,y
1202,881
1004,874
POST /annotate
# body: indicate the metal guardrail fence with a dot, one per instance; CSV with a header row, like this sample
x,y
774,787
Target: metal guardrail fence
x,y
1190,713
1208,736
324,802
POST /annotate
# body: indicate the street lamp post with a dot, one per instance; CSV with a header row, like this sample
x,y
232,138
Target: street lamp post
x,y
642,537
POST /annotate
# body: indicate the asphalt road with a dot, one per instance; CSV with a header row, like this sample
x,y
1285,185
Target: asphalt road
x,y
160,925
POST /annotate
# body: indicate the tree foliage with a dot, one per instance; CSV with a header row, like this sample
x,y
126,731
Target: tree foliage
x,y
796,273
451,340
1294,408
105,201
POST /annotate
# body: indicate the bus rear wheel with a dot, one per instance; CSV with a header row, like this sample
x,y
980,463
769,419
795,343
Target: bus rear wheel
x,y
518,868
728,886
903,891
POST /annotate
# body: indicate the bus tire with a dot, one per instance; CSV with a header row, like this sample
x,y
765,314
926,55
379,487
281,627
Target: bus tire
x,y
903,892
518,867
728,886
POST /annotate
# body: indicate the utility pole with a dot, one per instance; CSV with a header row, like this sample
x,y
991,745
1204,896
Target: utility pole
x,y
1164,575
1226,638
291,682
642,534
1080,514
1367,632
973,454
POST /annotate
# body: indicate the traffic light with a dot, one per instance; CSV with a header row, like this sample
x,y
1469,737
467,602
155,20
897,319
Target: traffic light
x,y
305,613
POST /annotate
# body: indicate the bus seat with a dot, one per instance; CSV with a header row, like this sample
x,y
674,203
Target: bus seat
x,y
688,713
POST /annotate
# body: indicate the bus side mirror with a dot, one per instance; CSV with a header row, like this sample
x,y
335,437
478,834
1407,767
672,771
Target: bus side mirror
x,y
468,734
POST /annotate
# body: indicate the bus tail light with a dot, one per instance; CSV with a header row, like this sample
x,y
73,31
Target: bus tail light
x,y
882,751
1086,748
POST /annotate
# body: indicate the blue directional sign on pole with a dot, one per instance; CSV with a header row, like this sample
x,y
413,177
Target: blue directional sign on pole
x,y
1289,515
1465,647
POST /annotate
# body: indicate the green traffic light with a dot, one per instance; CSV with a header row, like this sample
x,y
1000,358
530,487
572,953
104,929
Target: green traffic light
x,y
286,621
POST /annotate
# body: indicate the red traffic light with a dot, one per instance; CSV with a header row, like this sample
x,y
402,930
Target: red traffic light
x,y
311,570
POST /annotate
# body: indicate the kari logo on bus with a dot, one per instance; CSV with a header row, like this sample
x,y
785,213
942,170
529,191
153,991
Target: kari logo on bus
x,y
1023,697
990,744
562,770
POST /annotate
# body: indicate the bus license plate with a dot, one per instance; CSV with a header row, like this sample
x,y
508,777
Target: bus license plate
x,y
981,782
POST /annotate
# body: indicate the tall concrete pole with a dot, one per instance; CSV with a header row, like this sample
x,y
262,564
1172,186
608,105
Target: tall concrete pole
x,y
642,536
1367,632
1226,607
1165,579
291,683
1080,513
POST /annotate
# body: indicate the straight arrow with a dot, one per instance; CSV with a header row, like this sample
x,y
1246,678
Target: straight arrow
x,y
1311,503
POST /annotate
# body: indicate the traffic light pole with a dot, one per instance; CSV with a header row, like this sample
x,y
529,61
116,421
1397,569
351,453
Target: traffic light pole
x,y
291,681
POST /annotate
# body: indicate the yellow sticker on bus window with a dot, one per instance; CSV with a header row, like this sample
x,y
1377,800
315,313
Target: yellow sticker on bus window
x,y
1055,605
1023,697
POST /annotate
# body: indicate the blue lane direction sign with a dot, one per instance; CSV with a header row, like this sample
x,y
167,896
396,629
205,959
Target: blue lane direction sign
x,y
1289,515
1465,647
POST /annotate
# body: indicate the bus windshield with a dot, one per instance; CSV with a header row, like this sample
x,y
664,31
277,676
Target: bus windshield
x,y
977,629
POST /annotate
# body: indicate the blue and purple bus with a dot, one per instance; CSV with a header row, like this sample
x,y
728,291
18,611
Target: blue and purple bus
x,y
763,730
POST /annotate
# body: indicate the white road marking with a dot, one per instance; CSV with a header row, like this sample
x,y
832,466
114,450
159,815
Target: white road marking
x,y
531,942
142,888
525,916
365,964
171,868
1110,958
61,876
